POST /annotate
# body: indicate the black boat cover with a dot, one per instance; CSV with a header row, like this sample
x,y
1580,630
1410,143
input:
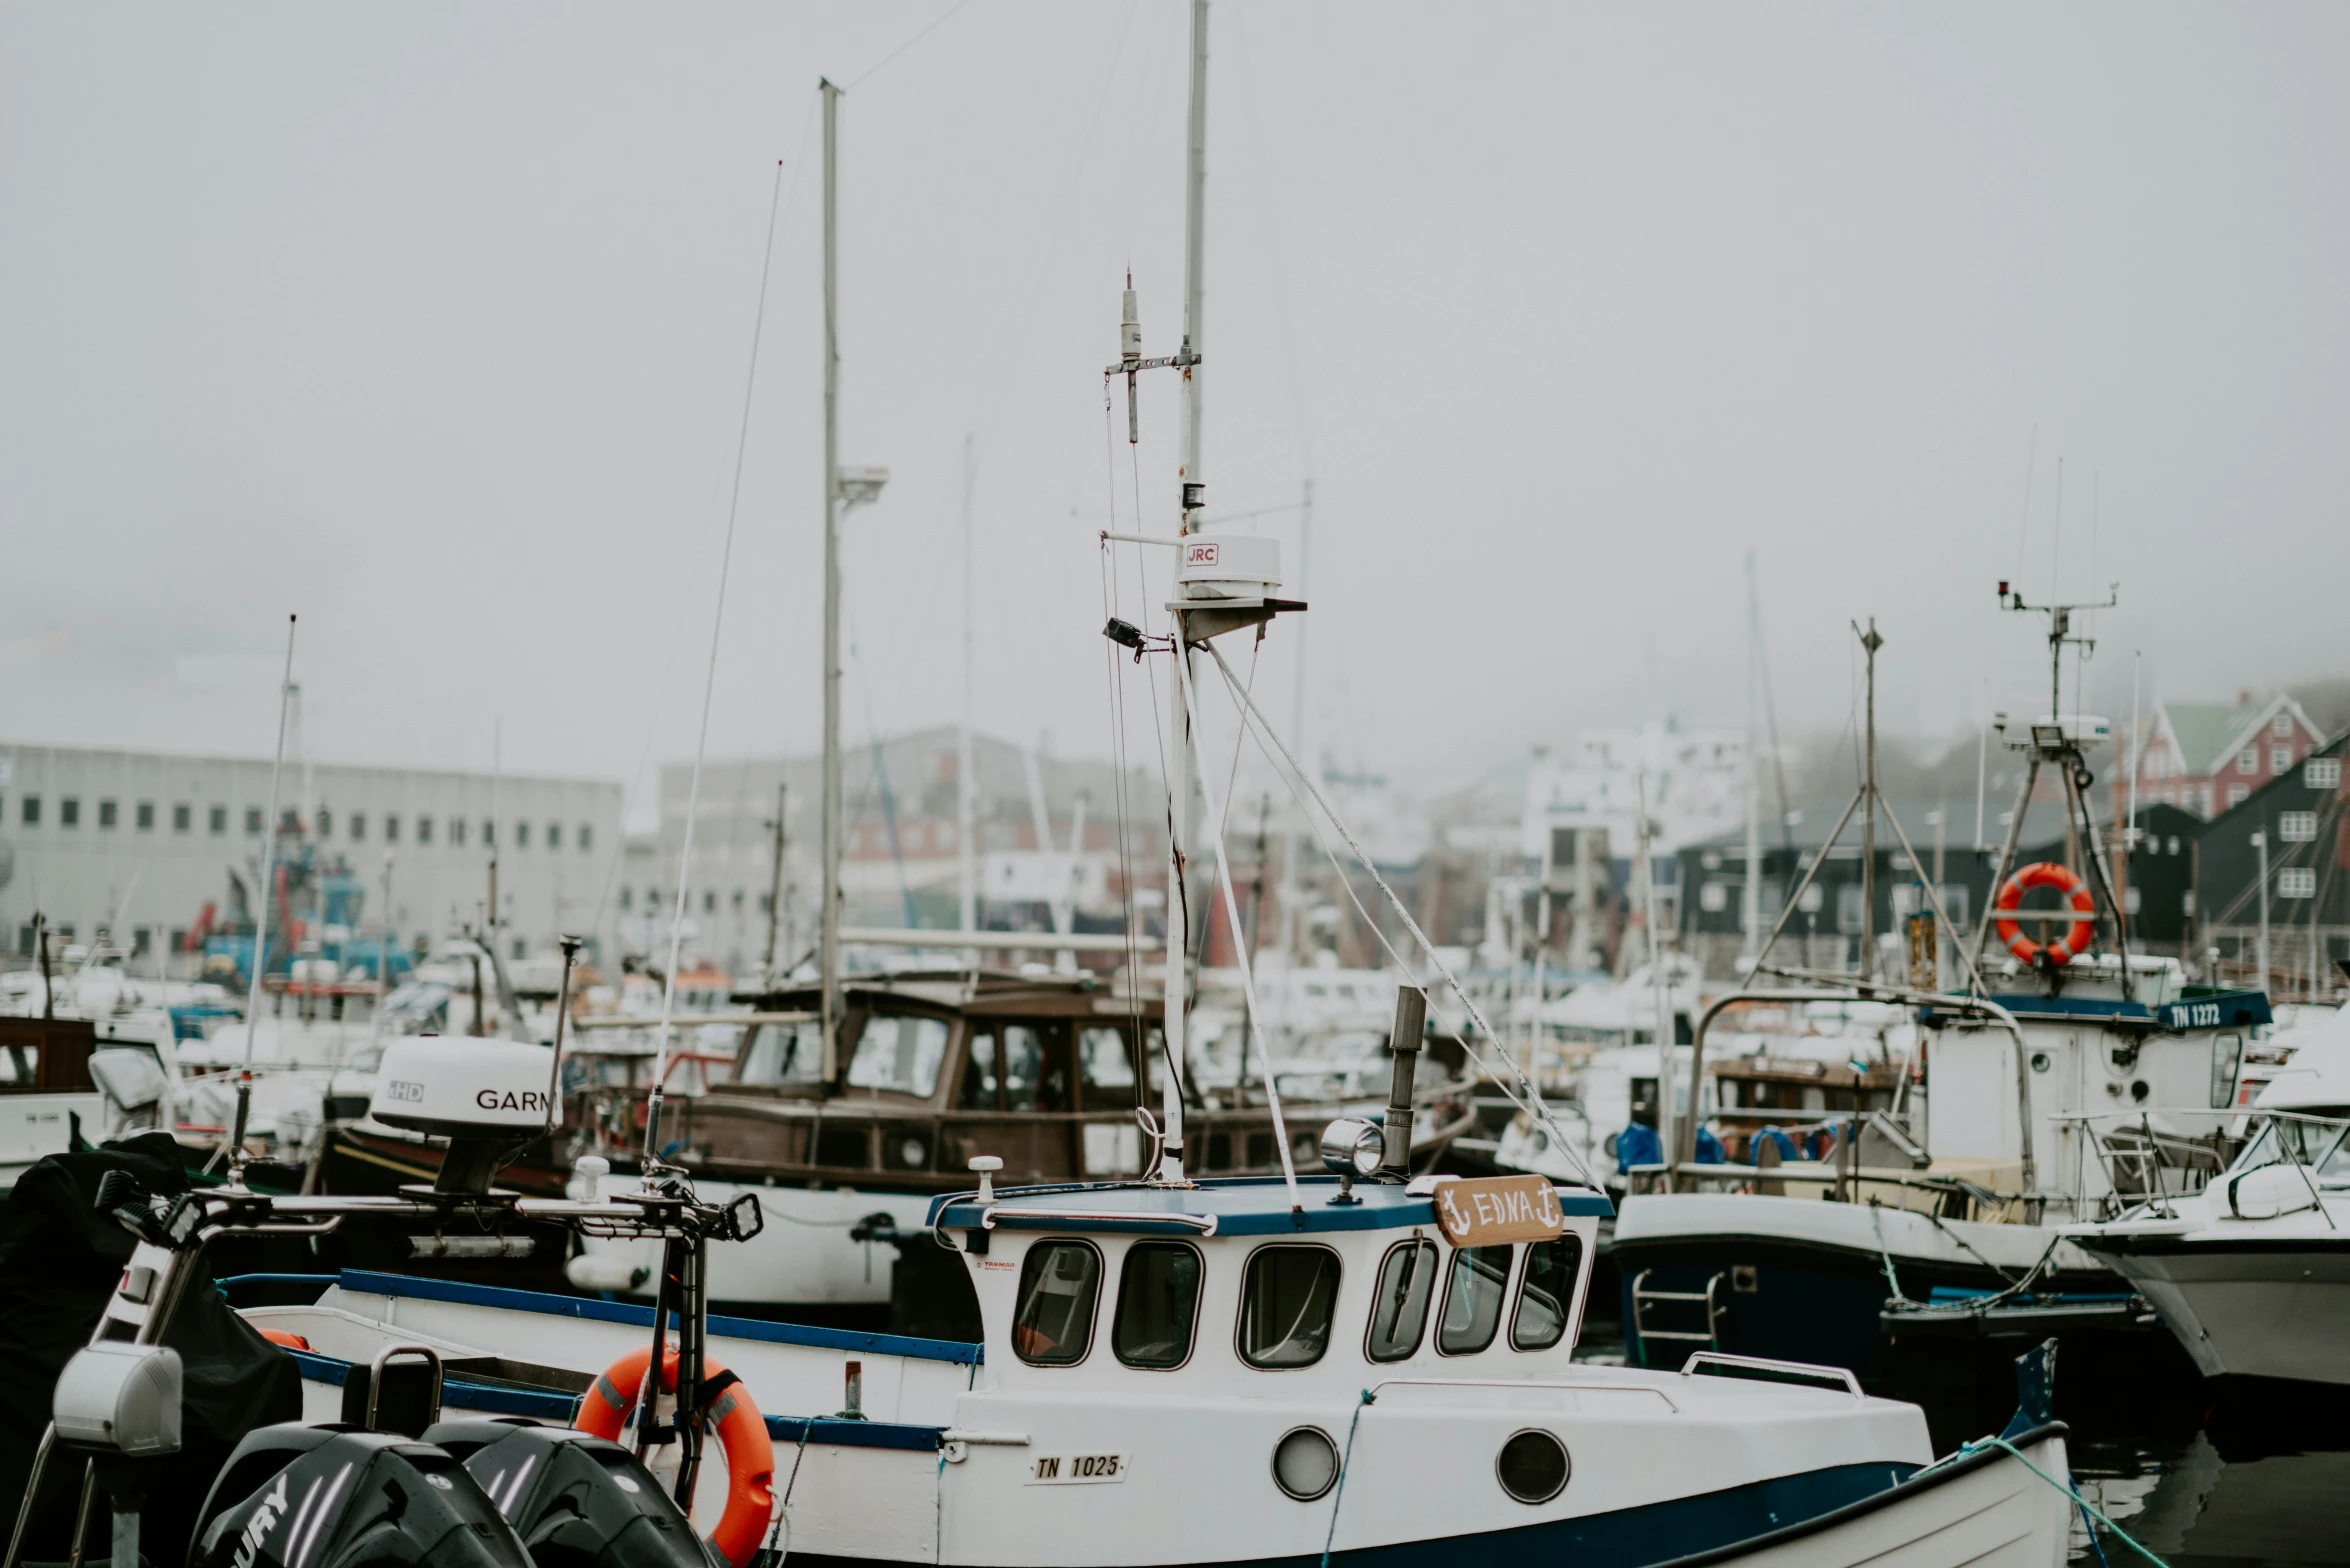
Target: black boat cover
x,y
59,1259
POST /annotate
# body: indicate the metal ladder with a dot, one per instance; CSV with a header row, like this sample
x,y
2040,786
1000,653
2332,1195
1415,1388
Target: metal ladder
x,y
1709,1298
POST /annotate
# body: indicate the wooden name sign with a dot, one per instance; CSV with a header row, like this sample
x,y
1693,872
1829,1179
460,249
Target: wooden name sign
x,y
1496,1209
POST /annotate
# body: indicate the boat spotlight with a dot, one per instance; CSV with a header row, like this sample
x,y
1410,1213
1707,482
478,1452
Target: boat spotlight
x,y
1354,1148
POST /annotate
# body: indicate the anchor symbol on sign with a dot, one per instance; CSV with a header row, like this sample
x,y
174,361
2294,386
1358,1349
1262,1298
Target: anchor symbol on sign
x,y
1455,1222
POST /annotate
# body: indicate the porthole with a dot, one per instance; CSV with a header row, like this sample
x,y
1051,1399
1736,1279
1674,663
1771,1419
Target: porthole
x,y
1305,1463
2039,1061
1532,1466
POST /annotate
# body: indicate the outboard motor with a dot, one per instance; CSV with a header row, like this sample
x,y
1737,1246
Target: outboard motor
x,y
576,1501
334,1497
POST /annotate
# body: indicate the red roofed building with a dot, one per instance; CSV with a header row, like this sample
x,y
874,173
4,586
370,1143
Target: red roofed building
x,y
2207,757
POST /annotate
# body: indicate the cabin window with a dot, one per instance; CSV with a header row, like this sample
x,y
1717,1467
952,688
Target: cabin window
x,y
1287,1303
783,1053
1035,1068
1546,1296
1399,1305
899,1053
979,1075
1058,1285
1472,1300
1105,1071
1158,1305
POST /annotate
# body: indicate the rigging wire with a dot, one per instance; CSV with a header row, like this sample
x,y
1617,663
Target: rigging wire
x,y
701,547
1533,1106
1248,984
709,684
935,24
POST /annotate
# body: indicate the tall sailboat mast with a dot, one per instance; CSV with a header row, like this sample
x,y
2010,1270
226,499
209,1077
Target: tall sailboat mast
x,y
1189,479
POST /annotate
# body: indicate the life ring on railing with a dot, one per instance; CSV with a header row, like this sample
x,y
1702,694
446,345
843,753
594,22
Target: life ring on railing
x,y
2009,905
742,1431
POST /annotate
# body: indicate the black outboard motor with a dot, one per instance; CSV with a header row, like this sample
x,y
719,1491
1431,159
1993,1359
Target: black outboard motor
x,y
332,1496
577,1501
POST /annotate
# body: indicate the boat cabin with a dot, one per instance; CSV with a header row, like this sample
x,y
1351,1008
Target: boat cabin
x,y
1106,1287
1041,1072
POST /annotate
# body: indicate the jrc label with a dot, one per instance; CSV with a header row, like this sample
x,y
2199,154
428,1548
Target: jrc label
x,y
1205,552
1076,1469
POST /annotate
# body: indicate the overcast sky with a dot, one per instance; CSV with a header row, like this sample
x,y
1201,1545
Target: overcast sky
x,y
432,323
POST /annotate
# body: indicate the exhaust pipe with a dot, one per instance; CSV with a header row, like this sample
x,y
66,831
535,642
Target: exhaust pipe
x,y
1411,1019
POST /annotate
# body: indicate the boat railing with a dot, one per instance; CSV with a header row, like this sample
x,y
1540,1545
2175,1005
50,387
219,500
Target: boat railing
x,y
1951,1196
2149,1155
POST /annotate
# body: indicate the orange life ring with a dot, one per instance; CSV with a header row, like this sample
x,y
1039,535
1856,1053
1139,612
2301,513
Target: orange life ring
x,y
750,1456
286,1337
2009,904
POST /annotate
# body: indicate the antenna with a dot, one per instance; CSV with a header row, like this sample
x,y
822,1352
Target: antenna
x,y
2058,742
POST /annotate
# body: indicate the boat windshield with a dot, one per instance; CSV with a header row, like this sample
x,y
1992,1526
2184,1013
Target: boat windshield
x,y
899,1053
1547,1294
2319,1145
1472,1300
1399,1305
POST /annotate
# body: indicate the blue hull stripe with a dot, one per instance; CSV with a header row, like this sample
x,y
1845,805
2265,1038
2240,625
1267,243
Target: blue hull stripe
x,y
499,1399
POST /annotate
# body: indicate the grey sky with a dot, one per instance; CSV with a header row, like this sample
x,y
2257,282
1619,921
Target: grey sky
x,y
431,322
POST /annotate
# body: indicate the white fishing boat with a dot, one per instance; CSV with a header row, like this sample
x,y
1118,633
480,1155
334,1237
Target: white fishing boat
x,y
2252,1274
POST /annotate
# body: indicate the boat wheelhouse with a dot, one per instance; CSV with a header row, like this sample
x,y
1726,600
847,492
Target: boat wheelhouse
x,y
1043,1073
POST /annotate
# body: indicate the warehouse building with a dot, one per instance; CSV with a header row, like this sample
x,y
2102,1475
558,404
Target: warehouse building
x,y
148,852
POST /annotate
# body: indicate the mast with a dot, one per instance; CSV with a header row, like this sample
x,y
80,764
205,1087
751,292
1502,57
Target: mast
x,y
236,1149
1292,923
1750,896
1868,823
774,887
966,786
829,889
1178,983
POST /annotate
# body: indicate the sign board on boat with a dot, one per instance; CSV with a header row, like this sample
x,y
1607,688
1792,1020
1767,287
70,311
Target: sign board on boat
x,y
1492,1210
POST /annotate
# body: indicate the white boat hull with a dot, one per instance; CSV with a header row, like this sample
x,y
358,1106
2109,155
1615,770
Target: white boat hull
x,y
2274,1307
804,1257
1986,1509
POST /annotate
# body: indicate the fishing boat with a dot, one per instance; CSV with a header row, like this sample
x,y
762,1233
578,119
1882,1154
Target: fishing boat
x,y
1936,1205
2252,1274
1043,1072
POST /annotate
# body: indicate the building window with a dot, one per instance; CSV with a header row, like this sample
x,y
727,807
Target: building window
x,y
391,828
457,831
219,820
2207,800
2281,726
522,835
738,900
626,896
252,821
326,821
2280,760
69,812
587,838
2236,794
289,823
424,830
2322,773
2248,760
2297,827
652,898
31,811
489,833
180,817
554,835
107,817
2297,882
709,902
146,816
358,828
